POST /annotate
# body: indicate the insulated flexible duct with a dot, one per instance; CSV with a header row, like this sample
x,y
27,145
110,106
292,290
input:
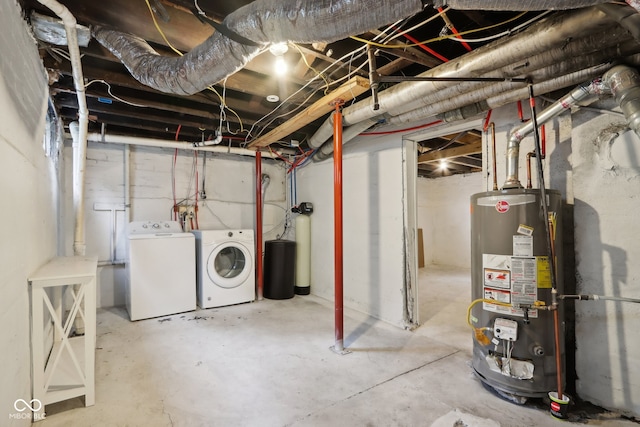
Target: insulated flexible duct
x,y
263,22
516,4
571,58
546,34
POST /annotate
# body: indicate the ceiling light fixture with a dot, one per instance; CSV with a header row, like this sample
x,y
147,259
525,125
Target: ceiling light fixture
x,y
443,164
278,50
273,98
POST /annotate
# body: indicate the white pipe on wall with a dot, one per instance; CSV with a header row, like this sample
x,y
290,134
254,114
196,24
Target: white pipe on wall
x,y
80,144
161,143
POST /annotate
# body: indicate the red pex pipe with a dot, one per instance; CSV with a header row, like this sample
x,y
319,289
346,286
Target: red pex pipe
x,y
259,268
453,29
425,48
337,213
520,113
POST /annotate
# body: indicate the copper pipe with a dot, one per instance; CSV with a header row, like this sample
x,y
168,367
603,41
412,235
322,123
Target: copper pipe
x,y
337,213
556,317
493,155
259,268
556,330
543,150
529,156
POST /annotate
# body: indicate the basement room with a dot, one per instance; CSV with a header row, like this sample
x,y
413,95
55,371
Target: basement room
x,y
320,212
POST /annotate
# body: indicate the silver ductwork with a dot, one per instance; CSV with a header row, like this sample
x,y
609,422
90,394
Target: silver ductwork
x,y
350,133
573,57
580,93
262,22
515,4
621,81
547,34
625,86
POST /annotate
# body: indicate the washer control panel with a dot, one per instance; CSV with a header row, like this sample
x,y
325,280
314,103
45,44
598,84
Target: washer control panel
x,y
152,227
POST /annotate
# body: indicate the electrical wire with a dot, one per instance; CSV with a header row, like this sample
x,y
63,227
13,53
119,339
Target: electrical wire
x,y
114,96
439,38
355,54
504,33
390,132
211,88
415,27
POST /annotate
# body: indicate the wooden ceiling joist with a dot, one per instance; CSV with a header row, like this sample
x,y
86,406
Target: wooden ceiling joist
x,y
463,150
349,90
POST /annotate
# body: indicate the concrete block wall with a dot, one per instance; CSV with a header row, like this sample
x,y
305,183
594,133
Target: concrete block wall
x,y
29,189
229,203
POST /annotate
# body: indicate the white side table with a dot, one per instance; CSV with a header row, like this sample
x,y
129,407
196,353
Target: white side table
x,y
68,370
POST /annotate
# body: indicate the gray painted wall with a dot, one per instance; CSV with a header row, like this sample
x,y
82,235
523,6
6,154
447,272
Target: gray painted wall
x,y
29,189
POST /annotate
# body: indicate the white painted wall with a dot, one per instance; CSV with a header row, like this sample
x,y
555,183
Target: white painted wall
x,y
606,176
28,185
230,201
443,215
374,264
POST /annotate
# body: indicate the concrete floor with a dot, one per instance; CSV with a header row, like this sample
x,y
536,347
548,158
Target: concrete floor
x,y
269,364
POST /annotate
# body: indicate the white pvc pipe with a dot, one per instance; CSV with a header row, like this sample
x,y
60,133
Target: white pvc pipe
x,y
80,144
162,143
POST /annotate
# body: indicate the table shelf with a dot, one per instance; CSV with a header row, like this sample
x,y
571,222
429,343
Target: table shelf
x,y
68,370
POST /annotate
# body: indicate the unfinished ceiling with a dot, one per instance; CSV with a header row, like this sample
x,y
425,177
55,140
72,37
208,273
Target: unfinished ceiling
x,y
239,105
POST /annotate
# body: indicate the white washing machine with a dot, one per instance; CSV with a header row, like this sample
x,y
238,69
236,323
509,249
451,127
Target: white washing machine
x,y
225,267
161,270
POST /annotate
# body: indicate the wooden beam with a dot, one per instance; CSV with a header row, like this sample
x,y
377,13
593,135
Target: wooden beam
x,y
349,90
464,150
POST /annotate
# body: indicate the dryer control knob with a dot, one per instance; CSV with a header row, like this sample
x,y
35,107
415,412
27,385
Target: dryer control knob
x,y
230,234
156,225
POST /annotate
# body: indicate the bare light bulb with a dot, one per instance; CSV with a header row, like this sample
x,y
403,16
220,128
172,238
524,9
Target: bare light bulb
x,y
280,66
443,164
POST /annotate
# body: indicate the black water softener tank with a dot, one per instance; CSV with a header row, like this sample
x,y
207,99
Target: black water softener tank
x,y
279,269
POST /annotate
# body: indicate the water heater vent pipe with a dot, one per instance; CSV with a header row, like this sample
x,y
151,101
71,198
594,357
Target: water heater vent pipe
x,y
578,94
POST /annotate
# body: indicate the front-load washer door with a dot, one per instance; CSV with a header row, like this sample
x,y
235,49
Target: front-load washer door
x,y
229,265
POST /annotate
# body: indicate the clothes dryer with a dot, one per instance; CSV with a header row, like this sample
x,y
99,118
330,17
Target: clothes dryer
x,y
225,273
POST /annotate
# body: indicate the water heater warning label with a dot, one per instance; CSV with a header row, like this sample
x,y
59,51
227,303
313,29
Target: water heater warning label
x,y
511,280
497,278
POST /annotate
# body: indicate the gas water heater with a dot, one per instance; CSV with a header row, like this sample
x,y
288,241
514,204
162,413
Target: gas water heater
x,y
514,342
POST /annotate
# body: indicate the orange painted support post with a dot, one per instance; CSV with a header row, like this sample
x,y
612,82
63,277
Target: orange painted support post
x,y
259,267
338,237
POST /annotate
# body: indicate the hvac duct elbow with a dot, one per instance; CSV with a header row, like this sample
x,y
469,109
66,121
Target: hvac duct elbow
x,y
578,94
515,4
625,86
626,16
263,22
